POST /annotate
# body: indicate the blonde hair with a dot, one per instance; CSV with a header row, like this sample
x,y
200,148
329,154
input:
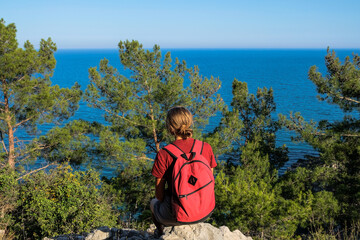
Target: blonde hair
x,y
179,121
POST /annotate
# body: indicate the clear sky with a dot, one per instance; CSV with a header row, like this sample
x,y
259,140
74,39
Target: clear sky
x,y
187,23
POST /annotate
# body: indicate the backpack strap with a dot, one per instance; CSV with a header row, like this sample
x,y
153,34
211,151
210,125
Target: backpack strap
x,y
173,150
198,147
176,152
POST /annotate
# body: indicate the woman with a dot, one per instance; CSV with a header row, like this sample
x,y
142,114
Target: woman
x,y
178,123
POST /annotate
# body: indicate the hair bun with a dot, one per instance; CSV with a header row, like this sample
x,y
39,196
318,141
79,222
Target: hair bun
x,y
183,129
179,121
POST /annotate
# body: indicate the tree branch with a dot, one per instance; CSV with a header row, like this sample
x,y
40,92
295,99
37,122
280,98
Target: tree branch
x,y
38,147
119,116
300,128
345,98
341,135
19,79
3,143
23,121
24,159
36,170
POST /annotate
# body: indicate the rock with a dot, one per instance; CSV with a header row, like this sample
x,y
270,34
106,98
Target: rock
x,y
199,231
67,237
99,234
2,234
202,231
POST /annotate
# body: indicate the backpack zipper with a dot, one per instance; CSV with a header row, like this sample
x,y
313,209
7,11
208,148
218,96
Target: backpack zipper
x,y
185,195
186,163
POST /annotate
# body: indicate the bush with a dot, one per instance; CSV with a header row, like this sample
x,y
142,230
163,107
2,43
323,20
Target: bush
x,y
8,194
135,185
62,202
253,206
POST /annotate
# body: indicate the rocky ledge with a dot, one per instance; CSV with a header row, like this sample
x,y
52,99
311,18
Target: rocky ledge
x,y
200,231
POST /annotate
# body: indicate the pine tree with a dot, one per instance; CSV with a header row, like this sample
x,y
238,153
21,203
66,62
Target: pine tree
x,y
248,197
135,103
136,106
338,142
249,120
27,97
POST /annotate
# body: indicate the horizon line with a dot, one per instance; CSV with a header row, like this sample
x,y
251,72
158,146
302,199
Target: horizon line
x,y
226,48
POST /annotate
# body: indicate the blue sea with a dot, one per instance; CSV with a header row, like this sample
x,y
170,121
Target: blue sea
x,y
284,70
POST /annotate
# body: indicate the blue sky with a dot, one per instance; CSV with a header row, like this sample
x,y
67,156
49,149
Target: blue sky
x,y
187,23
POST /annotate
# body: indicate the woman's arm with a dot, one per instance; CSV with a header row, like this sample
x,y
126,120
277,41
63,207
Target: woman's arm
x,y
160,189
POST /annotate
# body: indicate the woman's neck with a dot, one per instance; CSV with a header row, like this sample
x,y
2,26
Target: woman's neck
x,y
178,138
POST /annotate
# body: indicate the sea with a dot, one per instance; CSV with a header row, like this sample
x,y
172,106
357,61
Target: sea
x,y
283,70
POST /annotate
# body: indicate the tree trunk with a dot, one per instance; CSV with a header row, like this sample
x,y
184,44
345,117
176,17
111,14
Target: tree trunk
x,y
11,152
11,156
157,143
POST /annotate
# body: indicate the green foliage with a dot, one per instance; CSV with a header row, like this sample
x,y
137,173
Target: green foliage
x,y
341,85
226,138
334,176
62,202
251,196
265,208
9,190
136,106
136,185
252,205
247,188
323,207
319,199
67,143
324,210
303,180
112,149
27,98
249,120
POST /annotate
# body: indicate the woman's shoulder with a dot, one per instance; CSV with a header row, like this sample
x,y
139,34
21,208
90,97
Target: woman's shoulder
x,y
206,148
204,144
162,152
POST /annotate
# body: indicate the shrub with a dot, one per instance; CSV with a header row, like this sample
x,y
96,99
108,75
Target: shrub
x,y
62,202
8,194
135,186
253,206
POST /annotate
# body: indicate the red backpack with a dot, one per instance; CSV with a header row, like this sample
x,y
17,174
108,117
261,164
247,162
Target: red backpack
x,y
193,198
